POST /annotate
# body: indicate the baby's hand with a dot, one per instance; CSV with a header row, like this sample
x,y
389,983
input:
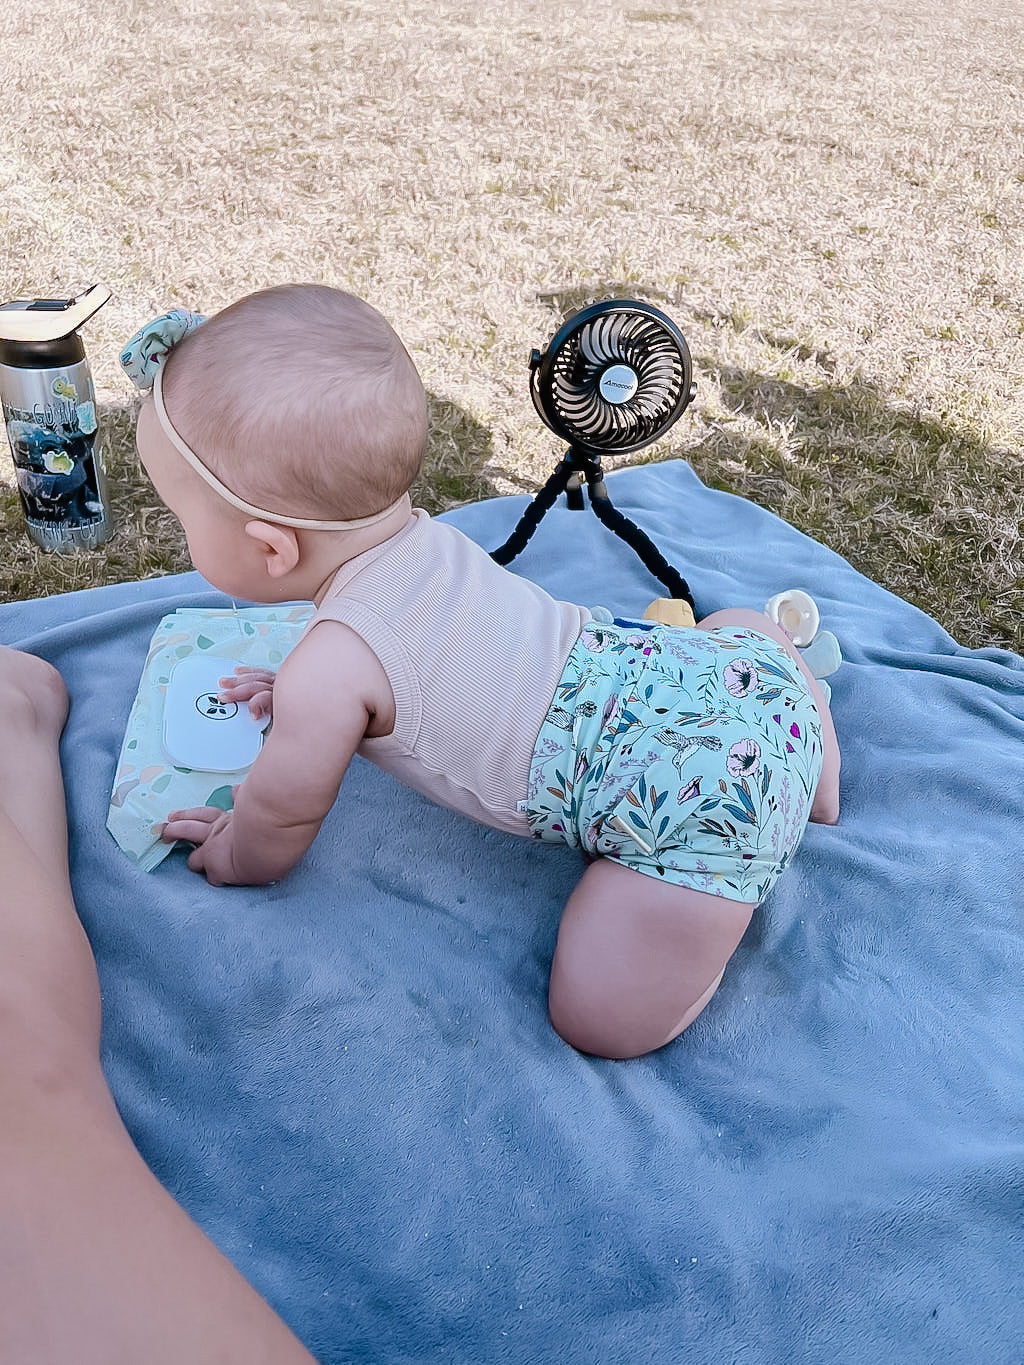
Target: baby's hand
x,y
209,828
252,685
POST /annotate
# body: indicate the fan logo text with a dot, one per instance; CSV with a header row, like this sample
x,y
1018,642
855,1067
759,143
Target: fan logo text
x,y
618,384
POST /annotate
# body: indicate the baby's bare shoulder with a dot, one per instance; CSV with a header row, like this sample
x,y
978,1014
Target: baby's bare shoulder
x,y
333,662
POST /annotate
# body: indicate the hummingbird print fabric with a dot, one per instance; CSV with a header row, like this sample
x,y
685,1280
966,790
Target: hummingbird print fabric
x,y
686,754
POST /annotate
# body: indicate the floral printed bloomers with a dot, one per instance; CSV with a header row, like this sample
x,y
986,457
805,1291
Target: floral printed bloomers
x,y
686,754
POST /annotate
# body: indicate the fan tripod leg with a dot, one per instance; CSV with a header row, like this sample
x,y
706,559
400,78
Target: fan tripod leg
x,y
650,556
569,477
543,501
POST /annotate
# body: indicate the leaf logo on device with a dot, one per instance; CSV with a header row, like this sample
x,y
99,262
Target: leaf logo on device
x,y
211,706
201,732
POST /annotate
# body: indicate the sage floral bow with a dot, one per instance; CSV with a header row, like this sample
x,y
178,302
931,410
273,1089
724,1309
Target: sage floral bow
x,y
147,350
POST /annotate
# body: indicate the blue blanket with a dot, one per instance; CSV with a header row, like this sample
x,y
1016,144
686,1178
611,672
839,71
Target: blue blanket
x,y
350,1082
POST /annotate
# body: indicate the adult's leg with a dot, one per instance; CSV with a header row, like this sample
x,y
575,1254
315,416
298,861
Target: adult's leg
x,y
637,959
98,1265
825,806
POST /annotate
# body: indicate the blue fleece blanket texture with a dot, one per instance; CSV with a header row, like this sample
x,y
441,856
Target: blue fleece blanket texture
x,y
349,1079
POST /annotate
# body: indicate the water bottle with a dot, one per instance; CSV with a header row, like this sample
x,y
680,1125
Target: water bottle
x,y
49,410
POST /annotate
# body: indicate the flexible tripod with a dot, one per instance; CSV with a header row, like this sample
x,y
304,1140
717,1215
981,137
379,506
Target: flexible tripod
x,y
578,467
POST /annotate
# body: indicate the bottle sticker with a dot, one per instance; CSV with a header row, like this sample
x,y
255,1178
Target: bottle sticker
x,y
52,445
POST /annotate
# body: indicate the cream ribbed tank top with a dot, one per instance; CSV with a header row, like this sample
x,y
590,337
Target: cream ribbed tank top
x,y
473,654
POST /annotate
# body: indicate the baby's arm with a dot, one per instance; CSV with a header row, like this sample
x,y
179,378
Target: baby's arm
x,y
329,691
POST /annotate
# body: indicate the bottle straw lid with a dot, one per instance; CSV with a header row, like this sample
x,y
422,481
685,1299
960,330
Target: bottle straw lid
x,y
49,319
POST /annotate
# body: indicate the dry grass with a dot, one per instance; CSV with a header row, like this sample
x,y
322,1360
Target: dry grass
x,y
827,198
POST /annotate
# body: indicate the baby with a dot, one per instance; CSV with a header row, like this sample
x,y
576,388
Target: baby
x,y
285,433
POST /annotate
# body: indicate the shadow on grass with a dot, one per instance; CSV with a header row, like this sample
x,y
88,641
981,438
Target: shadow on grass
x,y
147,540
564,302
459,458
930,511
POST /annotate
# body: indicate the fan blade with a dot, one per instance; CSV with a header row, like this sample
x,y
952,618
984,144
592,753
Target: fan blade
x,y
588,338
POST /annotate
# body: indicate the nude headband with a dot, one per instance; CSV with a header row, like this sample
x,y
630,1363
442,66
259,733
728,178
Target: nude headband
x,y
222,490
143,360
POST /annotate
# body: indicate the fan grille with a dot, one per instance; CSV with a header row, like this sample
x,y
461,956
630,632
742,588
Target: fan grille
x,y
614,378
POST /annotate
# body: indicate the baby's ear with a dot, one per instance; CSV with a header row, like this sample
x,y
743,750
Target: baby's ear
x,y
279,546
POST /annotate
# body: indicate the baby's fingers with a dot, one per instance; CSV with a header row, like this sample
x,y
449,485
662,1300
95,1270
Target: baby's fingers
x,y
243,675
256,687
241,689
193,826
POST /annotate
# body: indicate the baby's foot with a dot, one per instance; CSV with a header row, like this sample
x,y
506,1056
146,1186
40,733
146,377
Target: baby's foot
x,y
33,698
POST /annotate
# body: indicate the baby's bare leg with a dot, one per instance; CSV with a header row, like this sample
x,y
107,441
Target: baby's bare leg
x,y
825,807
46,964
101,1265
33,702
637,959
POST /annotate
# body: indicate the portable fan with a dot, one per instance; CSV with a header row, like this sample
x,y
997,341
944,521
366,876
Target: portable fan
x,y
614,378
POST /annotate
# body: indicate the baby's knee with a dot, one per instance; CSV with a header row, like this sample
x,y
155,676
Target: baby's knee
x,y
585,1025
32,691
619,1028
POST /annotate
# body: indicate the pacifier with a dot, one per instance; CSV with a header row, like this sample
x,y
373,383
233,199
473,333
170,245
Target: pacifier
x,y
796,613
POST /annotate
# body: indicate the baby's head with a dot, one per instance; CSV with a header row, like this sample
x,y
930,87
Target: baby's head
x,y
302,401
